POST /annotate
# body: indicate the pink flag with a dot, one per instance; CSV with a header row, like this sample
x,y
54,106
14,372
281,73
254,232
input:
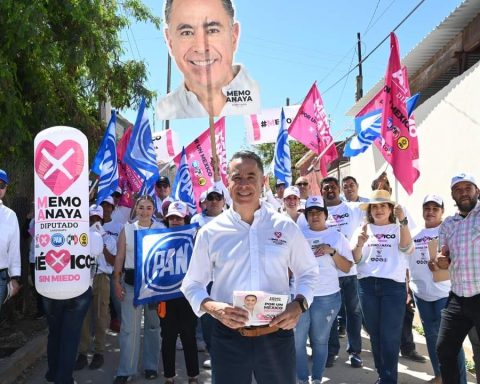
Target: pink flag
x,y
310,127
128,180
199,155
399,146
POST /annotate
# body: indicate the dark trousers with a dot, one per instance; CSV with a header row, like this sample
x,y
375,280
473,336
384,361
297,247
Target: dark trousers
x,y
235,358
459,316
407,345
38,297
65,319
179,320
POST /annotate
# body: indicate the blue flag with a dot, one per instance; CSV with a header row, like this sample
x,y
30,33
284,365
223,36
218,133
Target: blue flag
x,y
105,164
161,258
368,129
283,163
182,188
140,154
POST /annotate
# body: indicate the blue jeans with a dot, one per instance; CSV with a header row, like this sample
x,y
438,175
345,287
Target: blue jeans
x,y
65,319
235,358
349,291
430,314
130,336
316,322
383,304
3,286
458,318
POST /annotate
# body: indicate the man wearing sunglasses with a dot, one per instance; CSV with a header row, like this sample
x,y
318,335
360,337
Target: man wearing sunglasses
x,y
10,262
302,184
214,202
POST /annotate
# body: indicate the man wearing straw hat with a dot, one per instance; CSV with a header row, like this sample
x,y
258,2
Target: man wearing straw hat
x,y
459,243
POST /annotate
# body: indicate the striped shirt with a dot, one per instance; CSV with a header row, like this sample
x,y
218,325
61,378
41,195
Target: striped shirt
x,y
462,236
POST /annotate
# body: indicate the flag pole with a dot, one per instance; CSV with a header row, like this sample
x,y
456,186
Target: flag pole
x,y
317,159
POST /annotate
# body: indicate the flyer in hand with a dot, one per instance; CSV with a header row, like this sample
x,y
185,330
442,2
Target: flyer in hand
x,y
261,306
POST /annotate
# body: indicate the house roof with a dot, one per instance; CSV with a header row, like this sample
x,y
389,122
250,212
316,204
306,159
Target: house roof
x,y
447,30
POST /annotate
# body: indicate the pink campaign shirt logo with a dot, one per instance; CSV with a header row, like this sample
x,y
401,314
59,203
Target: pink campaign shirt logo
x,y
57,260
59,166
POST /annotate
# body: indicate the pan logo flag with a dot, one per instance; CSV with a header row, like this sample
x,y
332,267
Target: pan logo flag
x,y
162,257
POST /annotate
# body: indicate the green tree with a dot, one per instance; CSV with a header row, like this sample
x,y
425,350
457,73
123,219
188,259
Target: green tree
x,y
58,60
266,152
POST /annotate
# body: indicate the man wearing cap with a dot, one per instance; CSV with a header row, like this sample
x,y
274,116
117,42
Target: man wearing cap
x,y
345,218
10,261
250,248
103,247
163,190
459,242
214,203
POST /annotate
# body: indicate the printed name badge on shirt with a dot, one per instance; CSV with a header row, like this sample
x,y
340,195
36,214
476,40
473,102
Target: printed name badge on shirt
x,y
277,238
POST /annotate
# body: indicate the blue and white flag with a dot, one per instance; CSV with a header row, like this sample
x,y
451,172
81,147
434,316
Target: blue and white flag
x,y
140,154
368,129
162,256
105,163
283,163
182,188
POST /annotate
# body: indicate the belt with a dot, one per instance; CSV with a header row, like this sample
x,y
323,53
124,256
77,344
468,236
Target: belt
x,y
257,331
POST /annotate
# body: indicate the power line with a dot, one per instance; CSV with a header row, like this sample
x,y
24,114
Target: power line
x,y
374,49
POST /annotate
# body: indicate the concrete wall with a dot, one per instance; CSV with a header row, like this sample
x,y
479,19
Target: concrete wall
x,y
448,126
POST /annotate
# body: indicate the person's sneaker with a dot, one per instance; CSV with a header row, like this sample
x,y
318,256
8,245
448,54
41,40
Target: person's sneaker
x,y
169,380
96,362
193,380
115,325
121,379
355,361
414,356
331,361
150,374
207,364
342,332
81,362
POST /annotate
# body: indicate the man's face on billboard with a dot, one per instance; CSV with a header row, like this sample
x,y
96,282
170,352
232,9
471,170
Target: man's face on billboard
x,y
201,37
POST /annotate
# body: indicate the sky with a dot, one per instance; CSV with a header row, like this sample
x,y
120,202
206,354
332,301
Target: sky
x,y
287,45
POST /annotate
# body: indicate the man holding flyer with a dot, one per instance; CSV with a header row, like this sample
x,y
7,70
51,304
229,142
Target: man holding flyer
x,y
250,248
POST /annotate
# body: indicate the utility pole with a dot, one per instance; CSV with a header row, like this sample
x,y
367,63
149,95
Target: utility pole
x,y
169,81
287,102
359,93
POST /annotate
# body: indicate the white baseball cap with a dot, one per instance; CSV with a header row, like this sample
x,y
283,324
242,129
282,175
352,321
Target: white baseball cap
x,y
203,196
109,200
291,191
96,210
315,202
434,199
177,208
214,189
462,177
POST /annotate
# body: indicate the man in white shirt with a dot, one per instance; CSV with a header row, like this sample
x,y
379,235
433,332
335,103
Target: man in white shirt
x,y
202,37
250,248
10,261
345,218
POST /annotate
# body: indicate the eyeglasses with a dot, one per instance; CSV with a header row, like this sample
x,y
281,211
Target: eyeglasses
x,y
213,197
163,185
3,185
302,184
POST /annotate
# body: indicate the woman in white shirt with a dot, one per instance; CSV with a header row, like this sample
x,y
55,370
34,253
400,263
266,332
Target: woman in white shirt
x,y
332,251
380,248
132,315
430,296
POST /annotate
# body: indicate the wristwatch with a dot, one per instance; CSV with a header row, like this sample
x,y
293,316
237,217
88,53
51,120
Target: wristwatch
x,y
303,303
333,253
403,222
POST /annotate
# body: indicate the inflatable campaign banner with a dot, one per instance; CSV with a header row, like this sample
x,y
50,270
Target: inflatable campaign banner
x,y
162,257
62,249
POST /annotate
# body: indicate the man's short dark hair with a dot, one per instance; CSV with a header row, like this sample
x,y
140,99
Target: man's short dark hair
x,y
227,5
346,178
329,179
248,155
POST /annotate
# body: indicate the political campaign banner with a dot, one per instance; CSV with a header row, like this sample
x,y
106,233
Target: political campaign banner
x,y
263,127
166,144
62,249
162,256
